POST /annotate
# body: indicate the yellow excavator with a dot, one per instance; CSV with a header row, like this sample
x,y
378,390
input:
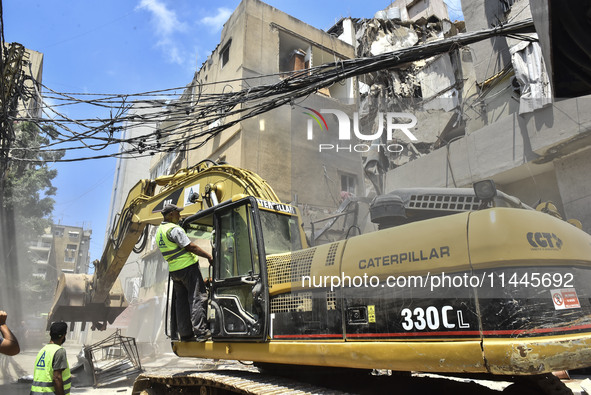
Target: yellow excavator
x,y
455,281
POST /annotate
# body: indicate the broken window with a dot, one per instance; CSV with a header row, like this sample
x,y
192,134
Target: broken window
x,y
348,184
296,53
417,9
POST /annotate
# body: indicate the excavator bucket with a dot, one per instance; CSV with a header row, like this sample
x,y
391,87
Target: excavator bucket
x,y
72,304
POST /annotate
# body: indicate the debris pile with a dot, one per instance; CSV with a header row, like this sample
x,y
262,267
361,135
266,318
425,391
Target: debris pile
x,y
430,89
113,359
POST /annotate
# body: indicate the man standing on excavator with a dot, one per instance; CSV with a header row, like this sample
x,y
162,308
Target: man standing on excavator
x,y
189,290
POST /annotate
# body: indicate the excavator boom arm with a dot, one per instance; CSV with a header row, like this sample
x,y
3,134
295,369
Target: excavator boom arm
x,y
82,298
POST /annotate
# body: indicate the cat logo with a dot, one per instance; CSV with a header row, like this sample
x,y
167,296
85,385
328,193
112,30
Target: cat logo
x,y
544,241
41,363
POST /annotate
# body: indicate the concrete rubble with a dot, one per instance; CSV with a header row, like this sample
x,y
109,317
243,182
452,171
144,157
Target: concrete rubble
x,y
431,89
451,94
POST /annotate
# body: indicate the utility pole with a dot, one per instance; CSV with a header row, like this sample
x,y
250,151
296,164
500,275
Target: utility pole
x,y
11,83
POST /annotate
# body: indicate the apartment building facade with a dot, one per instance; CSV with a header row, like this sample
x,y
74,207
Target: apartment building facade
x,y
71,245
262,45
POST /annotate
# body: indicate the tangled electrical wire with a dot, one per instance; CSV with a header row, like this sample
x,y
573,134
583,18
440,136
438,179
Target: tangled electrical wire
x,y
189,122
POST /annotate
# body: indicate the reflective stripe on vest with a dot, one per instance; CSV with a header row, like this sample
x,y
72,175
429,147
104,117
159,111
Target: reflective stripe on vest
x,y
177,257
43,374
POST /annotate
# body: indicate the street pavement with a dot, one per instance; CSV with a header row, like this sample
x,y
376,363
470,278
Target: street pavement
x,y
20,366
14,369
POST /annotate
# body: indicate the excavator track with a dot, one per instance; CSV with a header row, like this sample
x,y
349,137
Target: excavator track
x,y
221,383
322,381
546,384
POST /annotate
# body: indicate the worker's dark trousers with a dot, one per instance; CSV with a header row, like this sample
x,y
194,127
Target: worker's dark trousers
x,y
190,298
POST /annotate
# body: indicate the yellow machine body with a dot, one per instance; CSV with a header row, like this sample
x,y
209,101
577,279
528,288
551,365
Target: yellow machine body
x,y
498,290
474,292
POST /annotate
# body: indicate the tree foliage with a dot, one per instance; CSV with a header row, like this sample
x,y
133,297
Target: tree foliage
x,y
28,188
27,198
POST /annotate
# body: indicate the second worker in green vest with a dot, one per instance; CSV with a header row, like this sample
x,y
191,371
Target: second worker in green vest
x,y
52,372
190,294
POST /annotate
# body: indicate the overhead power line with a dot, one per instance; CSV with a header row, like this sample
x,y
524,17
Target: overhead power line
x,y
197,117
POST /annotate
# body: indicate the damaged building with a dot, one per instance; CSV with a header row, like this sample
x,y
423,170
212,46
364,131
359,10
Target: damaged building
x,y
431,89
504,108
260,45
484,111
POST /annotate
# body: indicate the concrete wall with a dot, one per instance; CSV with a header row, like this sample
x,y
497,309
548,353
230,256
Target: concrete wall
x,y
127,174
473,115
572,173
264,22
416,9
32,107
499,100
540,187
490,56
269,152
129,171
291,163
521,153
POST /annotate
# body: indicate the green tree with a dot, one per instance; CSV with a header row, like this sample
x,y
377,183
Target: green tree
x,y
27,200
28,188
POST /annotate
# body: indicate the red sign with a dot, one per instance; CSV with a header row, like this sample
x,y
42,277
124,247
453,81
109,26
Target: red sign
x,y
565,298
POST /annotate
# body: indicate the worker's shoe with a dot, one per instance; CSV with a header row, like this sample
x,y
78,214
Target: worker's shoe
x,y
203,337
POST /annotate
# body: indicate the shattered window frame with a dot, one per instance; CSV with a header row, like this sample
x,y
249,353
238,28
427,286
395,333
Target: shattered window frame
x,y
288,45
351,180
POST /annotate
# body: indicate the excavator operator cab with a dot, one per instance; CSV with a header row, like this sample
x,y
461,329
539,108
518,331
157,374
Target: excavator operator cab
x,y
238,307
243,232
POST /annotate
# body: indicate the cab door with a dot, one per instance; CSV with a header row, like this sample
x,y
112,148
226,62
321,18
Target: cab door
x,y
239,291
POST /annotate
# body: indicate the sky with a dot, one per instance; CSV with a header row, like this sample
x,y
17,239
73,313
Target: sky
x,y
131,46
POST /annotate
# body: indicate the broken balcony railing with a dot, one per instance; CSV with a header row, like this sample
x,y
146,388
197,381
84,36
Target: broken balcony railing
x,y
113,359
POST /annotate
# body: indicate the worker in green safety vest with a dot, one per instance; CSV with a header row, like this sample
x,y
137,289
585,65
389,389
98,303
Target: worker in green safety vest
x,y
52,372
190,294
